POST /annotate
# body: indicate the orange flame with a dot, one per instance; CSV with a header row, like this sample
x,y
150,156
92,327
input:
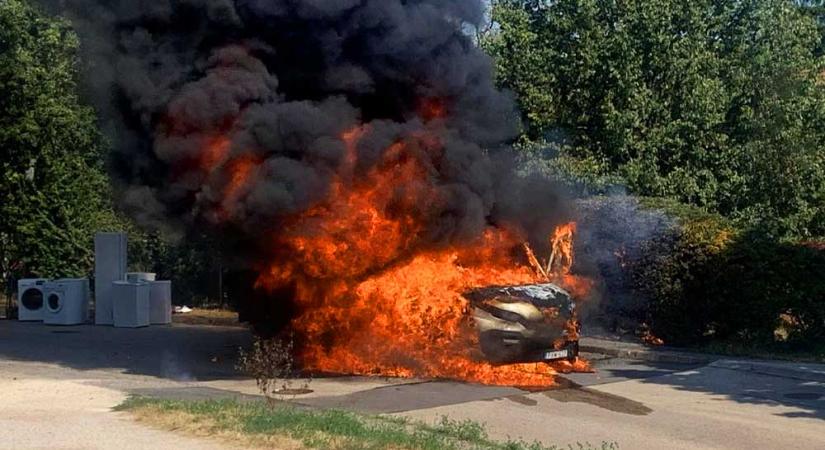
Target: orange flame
x,y
240,172
560,264
214,153
561,250
374,298
432,108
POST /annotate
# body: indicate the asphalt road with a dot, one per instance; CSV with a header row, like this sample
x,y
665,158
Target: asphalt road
x,y
65,380
709,407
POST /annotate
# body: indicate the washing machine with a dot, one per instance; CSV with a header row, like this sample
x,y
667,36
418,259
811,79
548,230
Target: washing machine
x,y
30,299
66,302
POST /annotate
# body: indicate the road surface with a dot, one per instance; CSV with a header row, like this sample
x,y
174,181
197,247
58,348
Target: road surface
x,y
58,385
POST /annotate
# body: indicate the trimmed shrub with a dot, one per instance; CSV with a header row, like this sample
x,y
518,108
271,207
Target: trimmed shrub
x,y
773,291
697,279
612,233
675,275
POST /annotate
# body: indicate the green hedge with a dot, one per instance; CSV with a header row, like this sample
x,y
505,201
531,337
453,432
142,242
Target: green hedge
x,y
701,280
674,273
709,282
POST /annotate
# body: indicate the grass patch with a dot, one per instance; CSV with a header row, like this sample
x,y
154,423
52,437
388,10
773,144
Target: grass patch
x,y
258,424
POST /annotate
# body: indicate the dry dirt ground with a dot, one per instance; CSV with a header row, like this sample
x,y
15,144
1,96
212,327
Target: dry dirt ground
x,y
58,387
213,317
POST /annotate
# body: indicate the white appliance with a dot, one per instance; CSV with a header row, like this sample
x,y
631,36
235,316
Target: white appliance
x,y
135,277
131,304
160,302
110,266
67,302
30,299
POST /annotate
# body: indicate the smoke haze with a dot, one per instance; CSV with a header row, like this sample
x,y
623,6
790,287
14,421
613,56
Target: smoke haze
x,y
231,115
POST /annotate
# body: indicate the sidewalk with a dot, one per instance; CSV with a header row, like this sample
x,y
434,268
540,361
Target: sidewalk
x,y
72,414
636,351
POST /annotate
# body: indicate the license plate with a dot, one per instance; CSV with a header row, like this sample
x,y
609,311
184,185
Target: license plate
x,y
561,354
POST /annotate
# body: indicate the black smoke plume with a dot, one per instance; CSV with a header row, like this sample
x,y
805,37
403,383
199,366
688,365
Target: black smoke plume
x,y
191,90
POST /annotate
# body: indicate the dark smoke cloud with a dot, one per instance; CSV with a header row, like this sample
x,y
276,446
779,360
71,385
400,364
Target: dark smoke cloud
x,y
181,82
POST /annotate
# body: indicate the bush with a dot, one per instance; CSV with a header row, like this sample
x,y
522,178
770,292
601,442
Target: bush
x,y
694,278
674,272
192,264
613,231
770,287
271,362
706,281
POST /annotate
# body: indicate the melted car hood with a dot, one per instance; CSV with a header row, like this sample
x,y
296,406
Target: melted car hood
x,y
547,295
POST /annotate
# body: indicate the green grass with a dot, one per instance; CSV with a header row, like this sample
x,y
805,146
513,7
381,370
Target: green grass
x,y
328,429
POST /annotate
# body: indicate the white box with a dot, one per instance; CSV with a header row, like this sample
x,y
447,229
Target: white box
x,y
110,266
160,303
135,277
131,304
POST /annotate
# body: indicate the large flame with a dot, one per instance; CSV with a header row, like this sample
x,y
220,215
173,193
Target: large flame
x,y
560,264
374,299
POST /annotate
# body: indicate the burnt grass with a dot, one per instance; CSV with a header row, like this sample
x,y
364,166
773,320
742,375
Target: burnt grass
x,y
257,422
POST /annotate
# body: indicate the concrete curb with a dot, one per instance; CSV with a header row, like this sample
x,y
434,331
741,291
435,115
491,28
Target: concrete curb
x,y
640,352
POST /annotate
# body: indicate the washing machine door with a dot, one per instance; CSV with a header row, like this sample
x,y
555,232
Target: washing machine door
x,y
32,299
54,301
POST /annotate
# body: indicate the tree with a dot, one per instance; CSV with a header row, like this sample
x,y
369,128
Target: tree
x,y
717,103
53,187
816,9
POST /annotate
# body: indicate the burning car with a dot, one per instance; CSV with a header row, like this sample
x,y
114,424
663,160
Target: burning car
x,y
528,323
355,180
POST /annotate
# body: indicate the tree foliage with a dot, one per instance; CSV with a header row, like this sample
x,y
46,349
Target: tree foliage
x,y
816,10
53,188
717,103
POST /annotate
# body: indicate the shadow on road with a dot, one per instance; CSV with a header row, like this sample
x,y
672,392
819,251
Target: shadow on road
x,y
602,400
748,387
181,353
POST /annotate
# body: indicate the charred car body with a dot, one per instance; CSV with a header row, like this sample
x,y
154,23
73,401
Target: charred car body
x,y
527,323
